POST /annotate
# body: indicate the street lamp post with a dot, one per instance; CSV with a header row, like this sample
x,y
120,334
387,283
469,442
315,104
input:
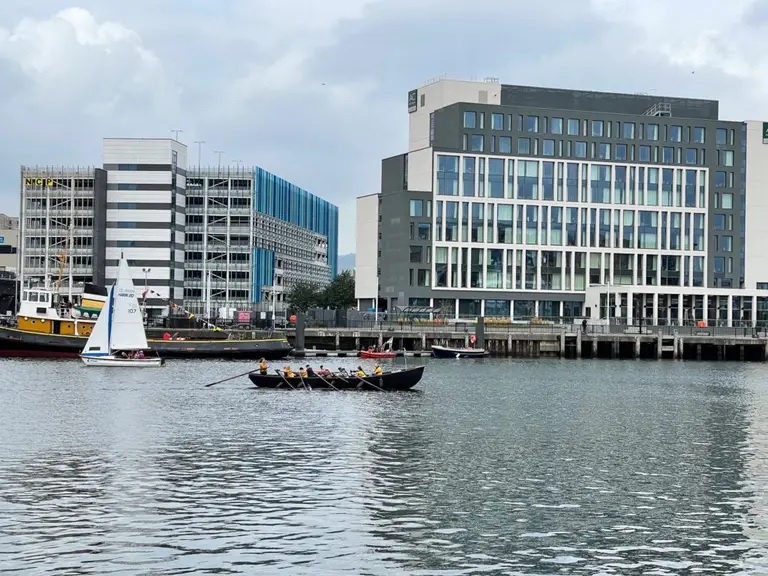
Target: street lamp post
x,y
146,291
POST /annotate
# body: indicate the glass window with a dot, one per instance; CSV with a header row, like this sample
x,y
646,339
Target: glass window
x,y
556,126
726,243
548,147
698,135
573,127
528,180
447,175
667,155
621,151
495,178
597,128
644,153
653,132
417,208
719,264
726,201
505,145
629,130
675,133
580,149
497,121
604,152
477,143
424,231
690,156
720,179
470,119
721,136
531,123
468,176
727,157
523,145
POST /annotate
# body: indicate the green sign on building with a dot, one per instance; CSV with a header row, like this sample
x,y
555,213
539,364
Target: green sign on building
x,y
765,131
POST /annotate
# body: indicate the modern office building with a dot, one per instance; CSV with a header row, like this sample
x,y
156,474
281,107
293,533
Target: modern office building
x,y
206,239
250,236
521,202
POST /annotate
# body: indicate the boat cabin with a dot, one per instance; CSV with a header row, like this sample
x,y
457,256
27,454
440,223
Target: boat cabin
x,y
44,312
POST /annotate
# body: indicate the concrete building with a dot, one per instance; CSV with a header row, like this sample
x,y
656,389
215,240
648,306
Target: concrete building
x,y
516,202
9,243
249,234
202,238
62,227
146,203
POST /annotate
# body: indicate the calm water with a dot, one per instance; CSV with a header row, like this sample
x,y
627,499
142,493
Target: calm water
x,y
497,467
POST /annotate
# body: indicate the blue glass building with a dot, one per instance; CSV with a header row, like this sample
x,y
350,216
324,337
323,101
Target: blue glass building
x,y
280,199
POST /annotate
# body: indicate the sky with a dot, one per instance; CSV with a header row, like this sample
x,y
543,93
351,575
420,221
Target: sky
x,y
316,91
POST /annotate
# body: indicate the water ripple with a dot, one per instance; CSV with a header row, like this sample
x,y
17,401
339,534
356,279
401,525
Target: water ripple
x,y
567,468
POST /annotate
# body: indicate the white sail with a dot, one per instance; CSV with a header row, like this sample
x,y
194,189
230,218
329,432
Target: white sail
x,y
127,323
98,341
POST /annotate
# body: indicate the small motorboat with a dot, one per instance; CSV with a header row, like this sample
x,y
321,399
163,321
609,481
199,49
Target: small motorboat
x,y
445,352
373,355
388,381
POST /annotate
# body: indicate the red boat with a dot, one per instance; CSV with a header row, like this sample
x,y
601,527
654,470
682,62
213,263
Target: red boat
x,y
371,355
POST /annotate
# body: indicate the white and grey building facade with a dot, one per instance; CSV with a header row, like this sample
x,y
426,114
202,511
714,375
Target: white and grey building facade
x,y
521,202
146,204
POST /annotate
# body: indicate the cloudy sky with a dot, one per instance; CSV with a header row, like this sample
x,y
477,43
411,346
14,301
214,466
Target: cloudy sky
x,y
315,90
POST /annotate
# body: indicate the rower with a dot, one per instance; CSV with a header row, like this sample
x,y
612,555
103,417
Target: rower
x,y
310,372
302,372
288,372
360,372
263,367
377,371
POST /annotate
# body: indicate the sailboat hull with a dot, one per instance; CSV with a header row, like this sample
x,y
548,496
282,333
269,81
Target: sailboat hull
x,y
121,362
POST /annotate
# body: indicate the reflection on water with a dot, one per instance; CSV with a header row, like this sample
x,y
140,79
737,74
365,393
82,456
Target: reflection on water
x,y
498,467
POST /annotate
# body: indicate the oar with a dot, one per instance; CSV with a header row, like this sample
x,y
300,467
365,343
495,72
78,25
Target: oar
x,y
227,379
307,388
284,379
327,382
369,384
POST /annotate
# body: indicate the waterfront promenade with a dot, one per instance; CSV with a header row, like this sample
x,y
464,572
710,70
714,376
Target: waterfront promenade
x,y
547,340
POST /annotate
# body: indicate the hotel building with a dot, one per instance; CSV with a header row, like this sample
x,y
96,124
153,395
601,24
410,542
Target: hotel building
x,y
522,202
205,239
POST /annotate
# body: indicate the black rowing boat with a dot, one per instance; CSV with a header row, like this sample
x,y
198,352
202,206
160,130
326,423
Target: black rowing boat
x,y
388,381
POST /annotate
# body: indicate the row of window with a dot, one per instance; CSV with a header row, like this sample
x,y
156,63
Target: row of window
x,y
597,150
556,226
576,182
596,128
500,269
516,309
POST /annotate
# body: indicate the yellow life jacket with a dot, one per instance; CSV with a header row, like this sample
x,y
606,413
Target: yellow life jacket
x,y
361,373
377,372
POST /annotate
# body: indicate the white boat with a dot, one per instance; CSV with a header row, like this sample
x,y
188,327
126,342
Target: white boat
x,y
119,329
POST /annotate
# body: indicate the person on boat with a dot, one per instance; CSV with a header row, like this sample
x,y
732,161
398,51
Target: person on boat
x,y
140,355
263,367
310,371
302,372
166,335
360,372
288,372
322,371
378,371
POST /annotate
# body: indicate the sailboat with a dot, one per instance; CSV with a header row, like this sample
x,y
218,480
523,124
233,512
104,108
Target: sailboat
x,y
119,331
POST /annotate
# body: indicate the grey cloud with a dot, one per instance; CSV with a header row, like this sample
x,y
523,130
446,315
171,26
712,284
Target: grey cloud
x,y
328,129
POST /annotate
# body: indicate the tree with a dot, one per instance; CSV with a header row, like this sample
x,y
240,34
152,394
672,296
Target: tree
x,y
304,295
340,294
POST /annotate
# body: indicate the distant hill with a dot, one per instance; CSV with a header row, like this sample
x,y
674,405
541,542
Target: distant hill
x,y
346,262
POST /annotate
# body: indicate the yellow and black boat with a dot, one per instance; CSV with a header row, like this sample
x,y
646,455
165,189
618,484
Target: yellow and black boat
x,y
47,326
